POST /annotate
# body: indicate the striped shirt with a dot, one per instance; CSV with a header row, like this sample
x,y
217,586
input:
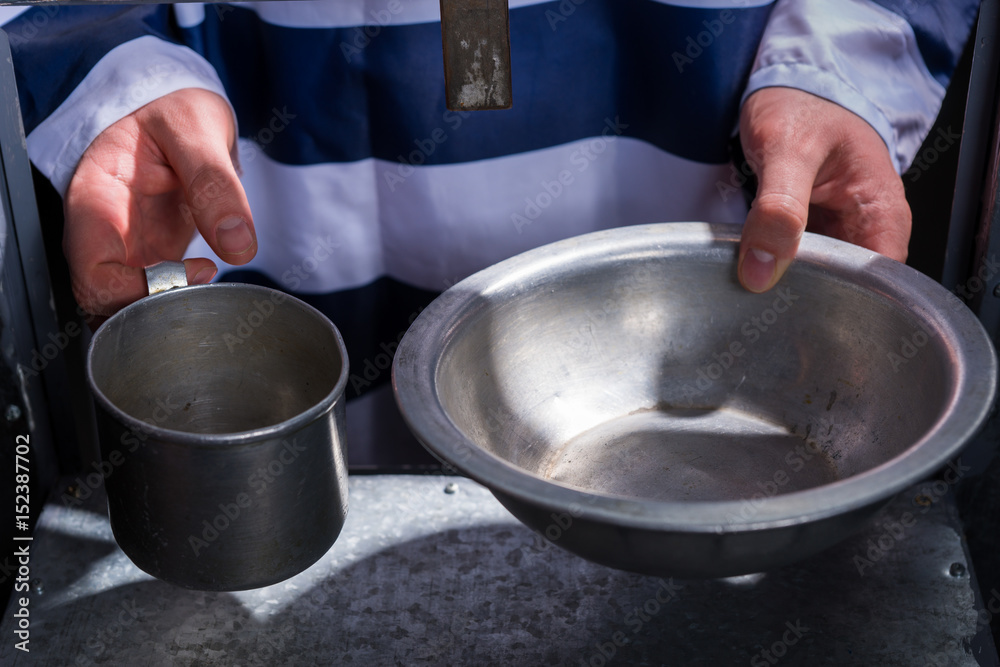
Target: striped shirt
x,y
369,196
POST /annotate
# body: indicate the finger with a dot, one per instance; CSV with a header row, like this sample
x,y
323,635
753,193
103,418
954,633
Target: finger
x,y
97,222
200,270
99,241
775,222
196,137
110,286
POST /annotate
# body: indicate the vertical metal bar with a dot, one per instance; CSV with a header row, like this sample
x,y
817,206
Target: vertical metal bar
x,y
26,286
476,39
974,151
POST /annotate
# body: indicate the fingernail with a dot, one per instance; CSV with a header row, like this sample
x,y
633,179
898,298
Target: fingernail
x,y
757,270
233,236
204,276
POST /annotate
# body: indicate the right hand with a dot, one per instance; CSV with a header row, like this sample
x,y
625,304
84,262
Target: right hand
x,y
820,165
142,189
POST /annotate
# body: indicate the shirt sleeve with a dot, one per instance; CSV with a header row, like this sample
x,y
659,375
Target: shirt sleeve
x,y
887,61
81,69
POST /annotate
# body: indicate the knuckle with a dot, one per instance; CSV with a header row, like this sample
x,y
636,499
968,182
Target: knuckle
x,y
87,298
208,185
783,214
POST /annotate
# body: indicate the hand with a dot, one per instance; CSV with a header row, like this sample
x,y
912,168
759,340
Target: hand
x,y
142,189
819,166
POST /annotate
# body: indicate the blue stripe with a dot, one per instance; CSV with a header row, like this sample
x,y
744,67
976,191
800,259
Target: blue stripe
x,y
55,47
371,318
572,73
941,29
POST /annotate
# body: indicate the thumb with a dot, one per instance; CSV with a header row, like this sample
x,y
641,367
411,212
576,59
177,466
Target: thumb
x,y
775,222
195,136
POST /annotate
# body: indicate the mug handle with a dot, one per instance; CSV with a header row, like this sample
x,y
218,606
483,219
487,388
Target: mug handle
x,y
165,276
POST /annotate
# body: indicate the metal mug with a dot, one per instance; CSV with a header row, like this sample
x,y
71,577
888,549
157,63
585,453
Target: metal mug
x,y
221,418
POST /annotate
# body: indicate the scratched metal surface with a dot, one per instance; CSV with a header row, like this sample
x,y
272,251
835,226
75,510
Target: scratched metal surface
x,y
421,576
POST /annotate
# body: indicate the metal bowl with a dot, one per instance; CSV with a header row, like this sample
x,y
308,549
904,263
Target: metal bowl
x,y
624,396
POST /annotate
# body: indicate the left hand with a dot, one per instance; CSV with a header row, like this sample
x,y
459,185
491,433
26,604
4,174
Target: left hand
x,y
821,167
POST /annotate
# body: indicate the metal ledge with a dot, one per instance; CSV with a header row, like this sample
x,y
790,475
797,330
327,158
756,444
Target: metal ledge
x,y
423,575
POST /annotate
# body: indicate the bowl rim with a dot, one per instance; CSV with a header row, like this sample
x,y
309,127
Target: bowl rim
x,y
235,438
969,404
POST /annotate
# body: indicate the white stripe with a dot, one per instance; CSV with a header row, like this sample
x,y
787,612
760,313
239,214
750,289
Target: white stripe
x,y
126,78
328,227
347,13
317,225
189,14
312,14
10,13
717,4
863,57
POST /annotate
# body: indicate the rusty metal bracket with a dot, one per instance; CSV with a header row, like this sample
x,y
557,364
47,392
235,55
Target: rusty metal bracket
x,y
476,38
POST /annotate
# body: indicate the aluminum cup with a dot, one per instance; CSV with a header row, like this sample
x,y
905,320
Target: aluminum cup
x,y
221,419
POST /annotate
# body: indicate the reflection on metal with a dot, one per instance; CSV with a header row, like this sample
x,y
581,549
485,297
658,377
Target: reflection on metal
x,y
745,580
624,383
165,276
476,37
181,372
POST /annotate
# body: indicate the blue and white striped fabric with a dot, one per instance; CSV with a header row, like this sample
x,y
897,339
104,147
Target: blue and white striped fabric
x,y
369,196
